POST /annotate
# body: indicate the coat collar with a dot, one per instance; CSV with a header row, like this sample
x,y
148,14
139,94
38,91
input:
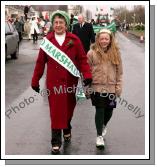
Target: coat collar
x,y
69,40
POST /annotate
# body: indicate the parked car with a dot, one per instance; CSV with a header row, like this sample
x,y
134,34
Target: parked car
x,y
11,41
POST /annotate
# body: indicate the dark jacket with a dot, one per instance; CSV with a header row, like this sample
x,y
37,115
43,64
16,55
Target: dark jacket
x,y
86,34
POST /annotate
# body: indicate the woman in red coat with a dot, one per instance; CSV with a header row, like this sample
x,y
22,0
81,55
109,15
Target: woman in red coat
x,y
60,82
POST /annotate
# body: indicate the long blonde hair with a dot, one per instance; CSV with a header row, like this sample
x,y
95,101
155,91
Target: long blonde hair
x,y
111,54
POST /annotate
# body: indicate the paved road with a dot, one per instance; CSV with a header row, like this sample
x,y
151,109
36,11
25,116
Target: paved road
x,y
28,129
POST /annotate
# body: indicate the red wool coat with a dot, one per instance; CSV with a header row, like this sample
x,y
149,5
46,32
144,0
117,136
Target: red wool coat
x,y
61,104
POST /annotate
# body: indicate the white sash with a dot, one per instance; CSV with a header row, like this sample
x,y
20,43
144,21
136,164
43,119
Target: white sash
x,y
61,58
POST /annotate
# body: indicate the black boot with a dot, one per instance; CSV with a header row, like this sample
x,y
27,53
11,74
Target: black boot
x,y
67,133
56,140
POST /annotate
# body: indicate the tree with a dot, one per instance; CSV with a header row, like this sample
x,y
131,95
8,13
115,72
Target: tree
x,y
124,14
121,12
139,10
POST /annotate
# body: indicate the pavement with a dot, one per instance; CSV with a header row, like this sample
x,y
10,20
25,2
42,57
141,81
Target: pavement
x,y
27,131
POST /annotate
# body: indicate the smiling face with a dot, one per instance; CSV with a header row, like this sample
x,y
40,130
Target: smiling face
x,y
59,25
104,40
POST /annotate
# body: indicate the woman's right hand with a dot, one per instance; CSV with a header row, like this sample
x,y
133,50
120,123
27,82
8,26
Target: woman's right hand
x,y
87,81
36,88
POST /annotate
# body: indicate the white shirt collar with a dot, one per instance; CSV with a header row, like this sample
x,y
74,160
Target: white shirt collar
x,y
60,38
82,23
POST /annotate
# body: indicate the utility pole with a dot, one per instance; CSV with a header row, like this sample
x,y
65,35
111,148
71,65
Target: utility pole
x,y
134,21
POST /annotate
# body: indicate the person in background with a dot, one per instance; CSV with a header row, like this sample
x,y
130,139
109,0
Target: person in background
x,y
26,10
34,30
27,28
71,22
106,68
93,22
11,20
19,27
61,104
48,26
85,32
22,22
42,25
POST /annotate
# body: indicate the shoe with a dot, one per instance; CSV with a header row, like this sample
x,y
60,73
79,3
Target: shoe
x,y
55,149
67,138
104,131
67,134
100,142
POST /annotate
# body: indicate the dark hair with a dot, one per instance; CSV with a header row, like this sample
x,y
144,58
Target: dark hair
x,y
72,16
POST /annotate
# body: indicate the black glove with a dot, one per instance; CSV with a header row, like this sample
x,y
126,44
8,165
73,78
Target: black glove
x,y
87,81
36,88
